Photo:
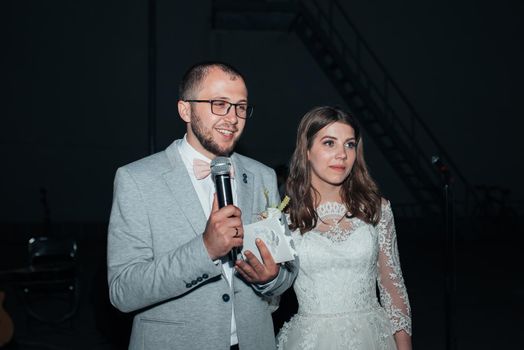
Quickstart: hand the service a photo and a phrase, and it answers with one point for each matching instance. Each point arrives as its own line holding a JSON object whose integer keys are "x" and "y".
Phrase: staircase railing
{"x": 367, "y": 87}
{"x": 397, "y": 110}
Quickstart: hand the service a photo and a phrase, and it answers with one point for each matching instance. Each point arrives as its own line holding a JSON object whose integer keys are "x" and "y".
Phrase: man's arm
{"x": 138, "y": 276}
{"x": 267, "y": 277}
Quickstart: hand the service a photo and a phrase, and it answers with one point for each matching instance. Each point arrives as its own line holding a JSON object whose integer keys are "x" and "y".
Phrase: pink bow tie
{"x": 202, "y": 170}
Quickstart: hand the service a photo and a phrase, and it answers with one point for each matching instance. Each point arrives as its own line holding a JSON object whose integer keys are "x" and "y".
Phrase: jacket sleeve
{"x": 137, "y": 277}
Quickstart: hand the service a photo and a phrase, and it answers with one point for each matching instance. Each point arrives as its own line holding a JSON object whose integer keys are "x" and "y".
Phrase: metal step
{"x": 366, "y": 97}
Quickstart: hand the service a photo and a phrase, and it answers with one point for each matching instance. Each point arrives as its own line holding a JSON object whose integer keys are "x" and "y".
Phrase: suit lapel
{"x": 245, "y": 184}
{"x": 184, "y": 193}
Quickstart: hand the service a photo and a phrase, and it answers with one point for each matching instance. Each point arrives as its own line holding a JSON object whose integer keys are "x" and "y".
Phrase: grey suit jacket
{"x": 159, "y": 268}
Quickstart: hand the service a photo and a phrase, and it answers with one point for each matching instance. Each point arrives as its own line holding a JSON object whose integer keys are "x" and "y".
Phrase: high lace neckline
{"x": 334, "y": 221}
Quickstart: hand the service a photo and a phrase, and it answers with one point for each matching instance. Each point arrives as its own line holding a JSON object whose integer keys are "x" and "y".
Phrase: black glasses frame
{"x": 249, "y": 109}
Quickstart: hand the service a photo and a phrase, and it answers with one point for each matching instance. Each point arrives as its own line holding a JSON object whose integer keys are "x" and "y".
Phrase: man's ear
{"x": 184, "y": 110}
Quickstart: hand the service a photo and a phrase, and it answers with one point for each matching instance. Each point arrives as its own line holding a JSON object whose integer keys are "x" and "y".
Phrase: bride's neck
{"x": 328, "y": 195}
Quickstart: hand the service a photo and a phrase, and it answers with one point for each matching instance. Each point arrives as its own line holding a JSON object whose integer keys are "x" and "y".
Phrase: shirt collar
{"x": 188, "y": 153}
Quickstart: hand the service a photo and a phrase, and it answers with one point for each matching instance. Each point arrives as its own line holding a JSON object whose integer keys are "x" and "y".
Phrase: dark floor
{"x": 489, "y": 289}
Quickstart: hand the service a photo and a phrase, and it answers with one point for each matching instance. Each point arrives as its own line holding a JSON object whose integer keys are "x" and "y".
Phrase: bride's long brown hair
{"x": 359, "y": 192}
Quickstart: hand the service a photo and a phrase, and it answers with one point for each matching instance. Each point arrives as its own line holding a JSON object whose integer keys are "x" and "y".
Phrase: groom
{"x": 168, "y": 240}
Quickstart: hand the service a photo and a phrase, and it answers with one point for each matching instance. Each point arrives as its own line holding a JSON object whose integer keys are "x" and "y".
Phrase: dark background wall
{"x": 74, "y": 79}
{"x": 75, "y": 82}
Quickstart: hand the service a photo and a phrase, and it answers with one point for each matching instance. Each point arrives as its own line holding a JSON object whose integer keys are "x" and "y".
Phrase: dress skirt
{"x": 363, "y": 330}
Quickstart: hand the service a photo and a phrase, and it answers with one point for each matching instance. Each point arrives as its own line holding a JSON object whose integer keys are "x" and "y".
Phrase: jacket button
{"x": 199, "y": 279}
{"x": 193, "y": 282}
{"x": 204, "y": 276}
{"x": 188, "y": 285}
{"x": 225, "y": 297}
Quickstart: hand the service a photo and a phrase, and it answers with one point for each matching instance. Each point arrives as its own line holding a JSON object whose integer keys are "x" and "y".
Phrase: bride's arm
{"x": 393, "y": 294}
{"x": 403, "y": 340}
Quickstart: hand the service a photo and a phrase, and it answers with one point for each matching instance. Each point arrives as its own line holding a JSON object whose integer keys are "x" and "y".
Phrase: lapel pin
{"x": 244, "y": 178}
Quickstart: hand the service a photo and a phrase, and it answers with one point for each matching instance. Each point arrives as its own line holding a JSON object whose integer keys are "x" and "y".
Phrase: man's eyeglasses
{"x": 220, "y": 107}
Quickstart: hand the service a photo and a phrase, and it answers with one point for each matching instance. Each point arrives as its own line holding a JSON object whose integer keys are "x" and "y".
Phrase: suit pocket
{"x": 162, "y": 334}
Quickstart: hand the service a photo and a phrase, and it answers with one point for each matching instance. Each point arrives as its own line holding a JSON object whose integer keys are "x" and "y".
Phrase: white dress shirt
{"x": 205, "y": 190}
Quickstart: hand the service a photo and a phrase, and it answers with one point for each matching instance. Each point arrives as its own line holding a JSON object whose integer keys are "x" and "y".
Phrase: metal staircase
{"x": 364, "y": 84}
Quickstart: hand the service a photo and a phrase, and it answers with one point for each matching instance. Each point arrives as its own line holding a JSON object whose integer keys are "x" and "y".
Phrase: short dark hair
{"x": 196, "y": 74}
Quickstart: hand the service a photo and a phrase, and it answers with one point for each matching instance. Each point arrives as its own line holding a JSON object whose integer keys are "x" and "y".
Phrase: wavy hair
{"x": 359, "y": 192}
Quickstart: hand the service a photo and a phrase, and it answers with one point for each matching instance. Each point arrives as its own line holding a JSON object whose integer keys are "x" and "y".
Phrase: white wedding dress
{"x": 342, "y": 261}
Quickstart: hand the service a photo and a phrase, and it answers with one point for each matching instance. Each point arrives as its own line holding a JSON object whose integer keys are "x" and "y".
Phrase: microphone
{"x": 221, "y": 169}
{"x": 442, "y": 168}
{"x": 436, "y": 161}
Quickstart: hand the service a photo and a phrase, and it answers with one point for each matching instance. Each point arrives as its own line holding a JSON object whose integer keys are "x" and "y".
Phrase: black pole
{"x": 451, "y": 257}
{"x": 450, "y": 253}
{"x": 151, "y": 76}
{"x": 47, "y": 212}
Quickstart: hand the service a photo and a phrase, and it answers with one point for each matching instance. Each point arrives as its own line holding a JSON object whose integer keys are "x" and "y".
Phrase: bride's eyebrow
{"x": 329, "y": 137}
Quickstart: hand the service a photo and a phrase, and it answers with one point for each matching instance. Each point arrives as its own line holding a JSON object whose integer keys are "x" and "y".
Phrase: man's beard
{"x": 206, "y": 140}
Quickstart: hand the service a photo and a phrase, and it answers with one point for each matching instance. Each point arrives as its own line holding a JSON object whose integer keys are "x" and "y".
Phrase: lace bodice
{"x": 341, "y": 262}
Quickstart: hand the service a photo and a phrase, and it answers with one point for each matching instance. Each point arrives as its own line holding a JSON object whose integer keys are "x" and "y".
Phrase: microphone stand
{"x": 450, "y": 253}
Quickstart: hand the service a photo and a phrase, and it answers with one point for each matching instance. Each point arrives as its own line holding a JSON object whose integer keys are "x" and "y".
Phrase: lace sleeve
{"x": 393, "y": 294}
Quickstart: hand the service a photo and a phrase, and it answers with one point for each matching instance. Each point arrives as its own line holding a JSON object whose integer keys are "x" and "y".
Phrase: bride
{"x": 345, "y": 236}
